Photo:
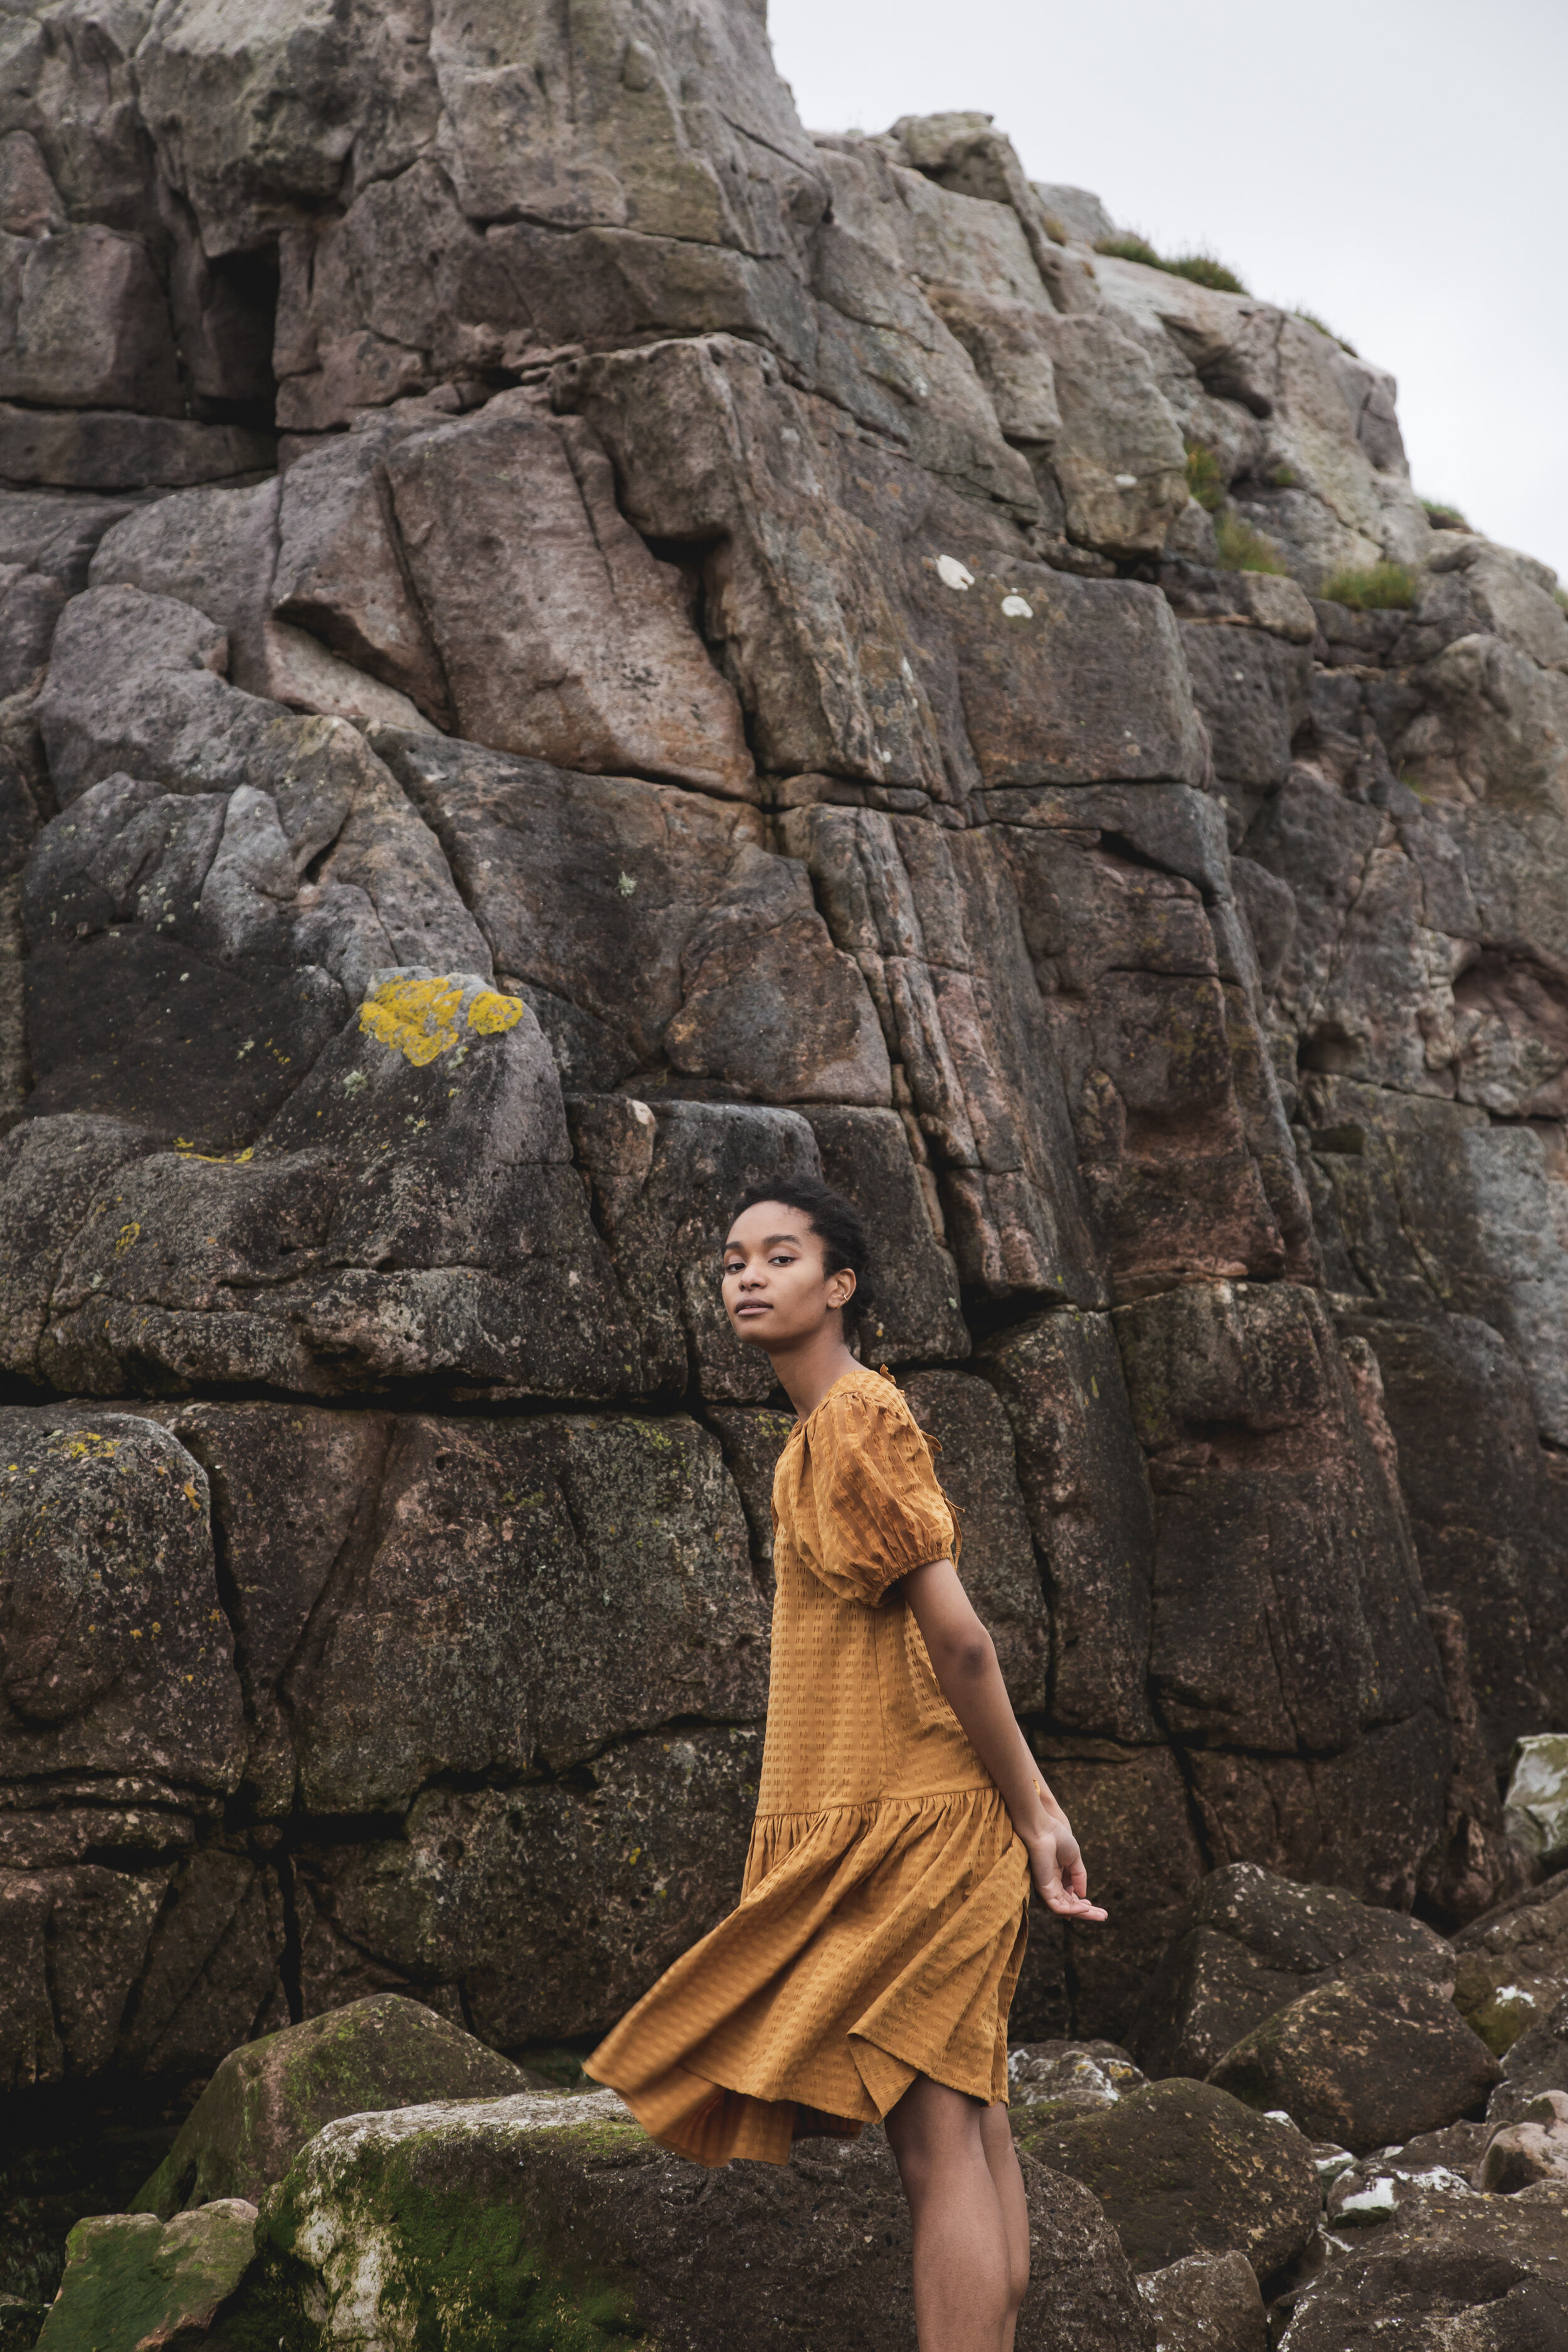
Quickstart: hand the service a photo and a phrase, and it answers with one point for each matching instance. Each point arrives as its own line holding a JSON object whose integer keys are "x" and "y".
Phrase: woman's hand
{"x": 1061, "y": 1880}
{"x": 963, "y": 1659}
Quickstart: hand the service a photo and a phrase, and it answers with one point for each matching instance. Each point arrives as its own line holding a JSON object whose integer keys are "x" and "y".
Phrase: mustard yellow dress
{"x": 882, "y": 1918}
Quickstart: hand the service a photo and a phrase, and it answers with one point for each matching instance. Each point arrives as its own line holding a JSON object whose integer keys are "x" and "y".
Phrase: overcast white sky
{"x": 1397, "y": 166}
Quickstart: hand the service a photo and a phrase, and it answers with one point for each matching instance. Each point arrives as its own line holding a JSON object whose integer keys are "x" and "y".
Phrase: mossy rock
{"x": 271, "y": 2096}
{"x": 131, "y": 2280}
{"x": 1183, "y": 2169}
{"x": 550, "y": 2222}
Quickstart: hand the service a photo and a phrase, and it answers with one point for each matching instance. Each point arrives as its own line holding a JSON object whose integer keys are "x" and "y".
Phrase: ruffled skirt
{"x": 872, "y": 1943}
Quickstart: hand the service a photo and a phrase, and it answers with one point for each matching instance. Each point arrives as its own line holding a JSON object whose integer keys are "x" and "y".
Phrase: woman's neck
{"x": 808, "y": 1370}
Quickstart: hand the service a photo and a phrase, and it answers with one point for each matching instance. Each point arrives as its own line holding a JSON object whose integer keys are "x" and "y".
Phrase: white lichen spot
{"x": 1018, "y": 608}
{"x": 953, "y": 574}
{"x": 625, "y": 884}
{"x": 1374, "y": 2203}
{"x": 1126, "y": 481}
{"x": 354, "y": 1080}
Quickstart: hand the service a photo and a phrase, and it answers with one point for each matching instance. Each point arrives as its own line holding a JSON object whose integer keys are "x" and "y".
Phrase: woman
{"x": 868, "y": 1970}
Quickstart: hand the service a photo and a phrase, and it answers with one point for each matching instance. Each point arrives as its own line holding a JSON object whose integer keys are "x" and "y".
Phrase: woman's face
{"x": 776, "y": 1287}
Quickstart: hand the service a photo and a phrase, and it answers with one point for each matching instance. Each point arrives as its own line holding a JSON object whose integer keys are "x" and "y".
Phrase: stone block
{"x": 1182, "y": 2168}
{"x": 271, "y": 2096}
{"x": 1087, "y": 1495}
{"x": 657, "y": 917}
{"x": 975, "y": 1464}
{"x": 131, "y": 2279}
{"x": 560, "y": 636}
{"x": 119, "y": 1657}
{"x": 528, "y": 1591}
{"x": 821, "y": 2243}
{"x": 602, "y": 1879}
{"x": 1366, "y": 2062}
{"x": 1248, "y": 1943}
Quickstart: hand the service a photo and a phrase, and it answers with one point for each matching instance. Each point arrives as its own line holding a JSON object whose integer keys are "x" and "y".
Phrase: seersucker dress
{"x": 881, "y": 1922}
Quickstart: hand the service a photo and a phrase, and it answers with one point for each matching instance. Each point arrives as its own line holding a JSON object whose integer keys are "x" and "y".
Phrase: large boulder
{"x": 1512, "y": 1965}
{"x": 1365, "y": 2061}
{"x": 1536, "y": 2062}
{"x": 1181, "y": 2168}
{"x": 1444, "y": 2269}
{"x": 270, "y": 2098}
{"x": 131, "y": 2280}
{"x": 556, "y": 2212}
{"x": 1207, "y": 2302}
{"x": 1249, "y": 1944}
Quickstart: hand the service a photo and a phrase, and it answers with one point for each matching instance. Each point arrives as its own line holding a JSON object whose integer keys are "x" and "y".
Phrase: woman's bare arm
{"x": 963, "y": 1659}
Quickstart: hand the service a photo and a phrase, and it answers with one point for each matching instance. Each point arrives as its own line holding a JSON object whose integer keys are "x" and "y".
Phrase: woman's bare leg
{"x": 1002, "y": 2158}
{"x": 964, "y": 2259}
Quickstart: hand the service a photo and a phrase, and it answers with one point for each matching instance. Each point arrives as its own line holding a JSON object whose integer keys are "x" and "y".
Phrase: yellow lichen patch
{"x": 491, "y": 1013}
{"x": 127, "y": 1235}
{"x": 417, "y": 1018}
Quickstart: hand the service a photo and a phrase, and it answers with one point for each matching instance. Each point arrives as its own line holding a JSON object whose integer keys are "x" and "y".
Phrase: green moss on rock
{"x": 131, "y": 2280}
{"x": 270, "y": 2098}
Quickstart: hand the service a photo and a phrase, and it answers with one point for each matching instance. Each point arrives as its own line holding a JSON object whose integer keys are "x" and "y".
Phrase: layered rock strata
{"x": 566, "y": 646}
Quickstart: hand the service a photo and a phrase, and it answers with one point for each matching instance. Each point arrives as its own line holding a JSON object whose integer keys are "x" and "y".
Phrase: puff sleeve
{"x": 879, "y": 1509}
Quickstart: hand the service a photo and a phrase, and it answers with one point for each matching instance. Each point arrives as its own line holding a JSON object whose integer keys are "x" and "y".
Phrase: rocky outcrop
{"x": 564, "y": 645}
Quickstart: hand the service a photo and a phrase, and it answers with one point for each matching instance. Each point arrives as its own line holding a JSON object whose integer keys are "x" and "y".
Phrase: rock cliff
{"x": 566, "y": 644}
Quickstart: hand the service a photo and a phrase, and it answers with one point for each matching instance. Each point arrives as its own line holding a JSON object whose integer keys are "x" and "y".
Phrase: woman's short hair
{"x": 836, "y": 1221}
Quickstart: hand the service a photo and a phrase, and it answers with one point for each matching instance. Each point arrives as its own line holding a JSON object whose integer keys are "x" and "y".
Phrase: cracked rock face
{"x": 556, "y": 659}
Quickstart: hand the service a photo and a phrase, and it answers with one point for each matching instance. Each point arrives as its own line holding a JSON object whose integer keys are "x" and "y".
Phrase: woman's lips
{"x": 756, "y": 1308}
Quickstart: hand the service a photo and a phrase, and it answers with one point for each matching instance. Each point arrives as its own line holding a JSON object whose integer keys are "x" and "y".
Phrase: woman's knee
{"x": 930, "y": 2130}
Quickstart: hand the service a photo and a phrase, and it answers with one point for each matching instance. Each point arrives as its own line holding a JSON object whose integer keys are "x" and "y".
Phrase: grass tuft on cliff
{"x": 1242, "y": 549}
{"x": 1310, "y": 319}
{"x": 1373, "y": 588}
{"x": 1443, "y": 517}
{"x": 1206, "y": 482}
{"x": 1203, "y": 268}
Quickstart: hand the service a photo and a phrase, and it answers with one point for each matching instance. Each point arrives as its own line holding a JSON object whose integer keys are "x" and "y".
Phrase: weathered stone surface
{"x": 1060, "y": 1381}
{"x": 602, "y": 1879}
{"x": 560, "y": 636}
{"x": 162, "y": 986}
{"x": 1120, "y": 460}
{"x": 1450, "y": 2270}
{"x": 821, "y": 2243}
{"x": 1364, "y": 2062}
{"x": 340, "y": 573}
{"x": 1248, "y": 1944}
{"x": 1537, "y": 2062}
{"x": 657, "y": 918}
{"x": 526, "y": 1592}
{"x": 1533, "y": 2148}
{"x": 118, "y": 1658}
{"x": 1069, "y": 2077}
{"x": 110, "y": 449}
{"x": 1181, "y": 2167}
{"x": 1261, "y": 1459}
{"x": 991, "y": 702}
{"x": 1207, "y": 2302}
{"x": 997, "y": 1559}
{"x": 1512, "y": 1965}
{"x": 131, "y": 2279}
{"x": 75, "y": 1940}
{"x": 1489, "y": 1517}
{"x": 331, "y": 1272}
{"x": 1131, "y": 1814}
{"x": 270, "y": 2098}
{"x": 911, "y": 904}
